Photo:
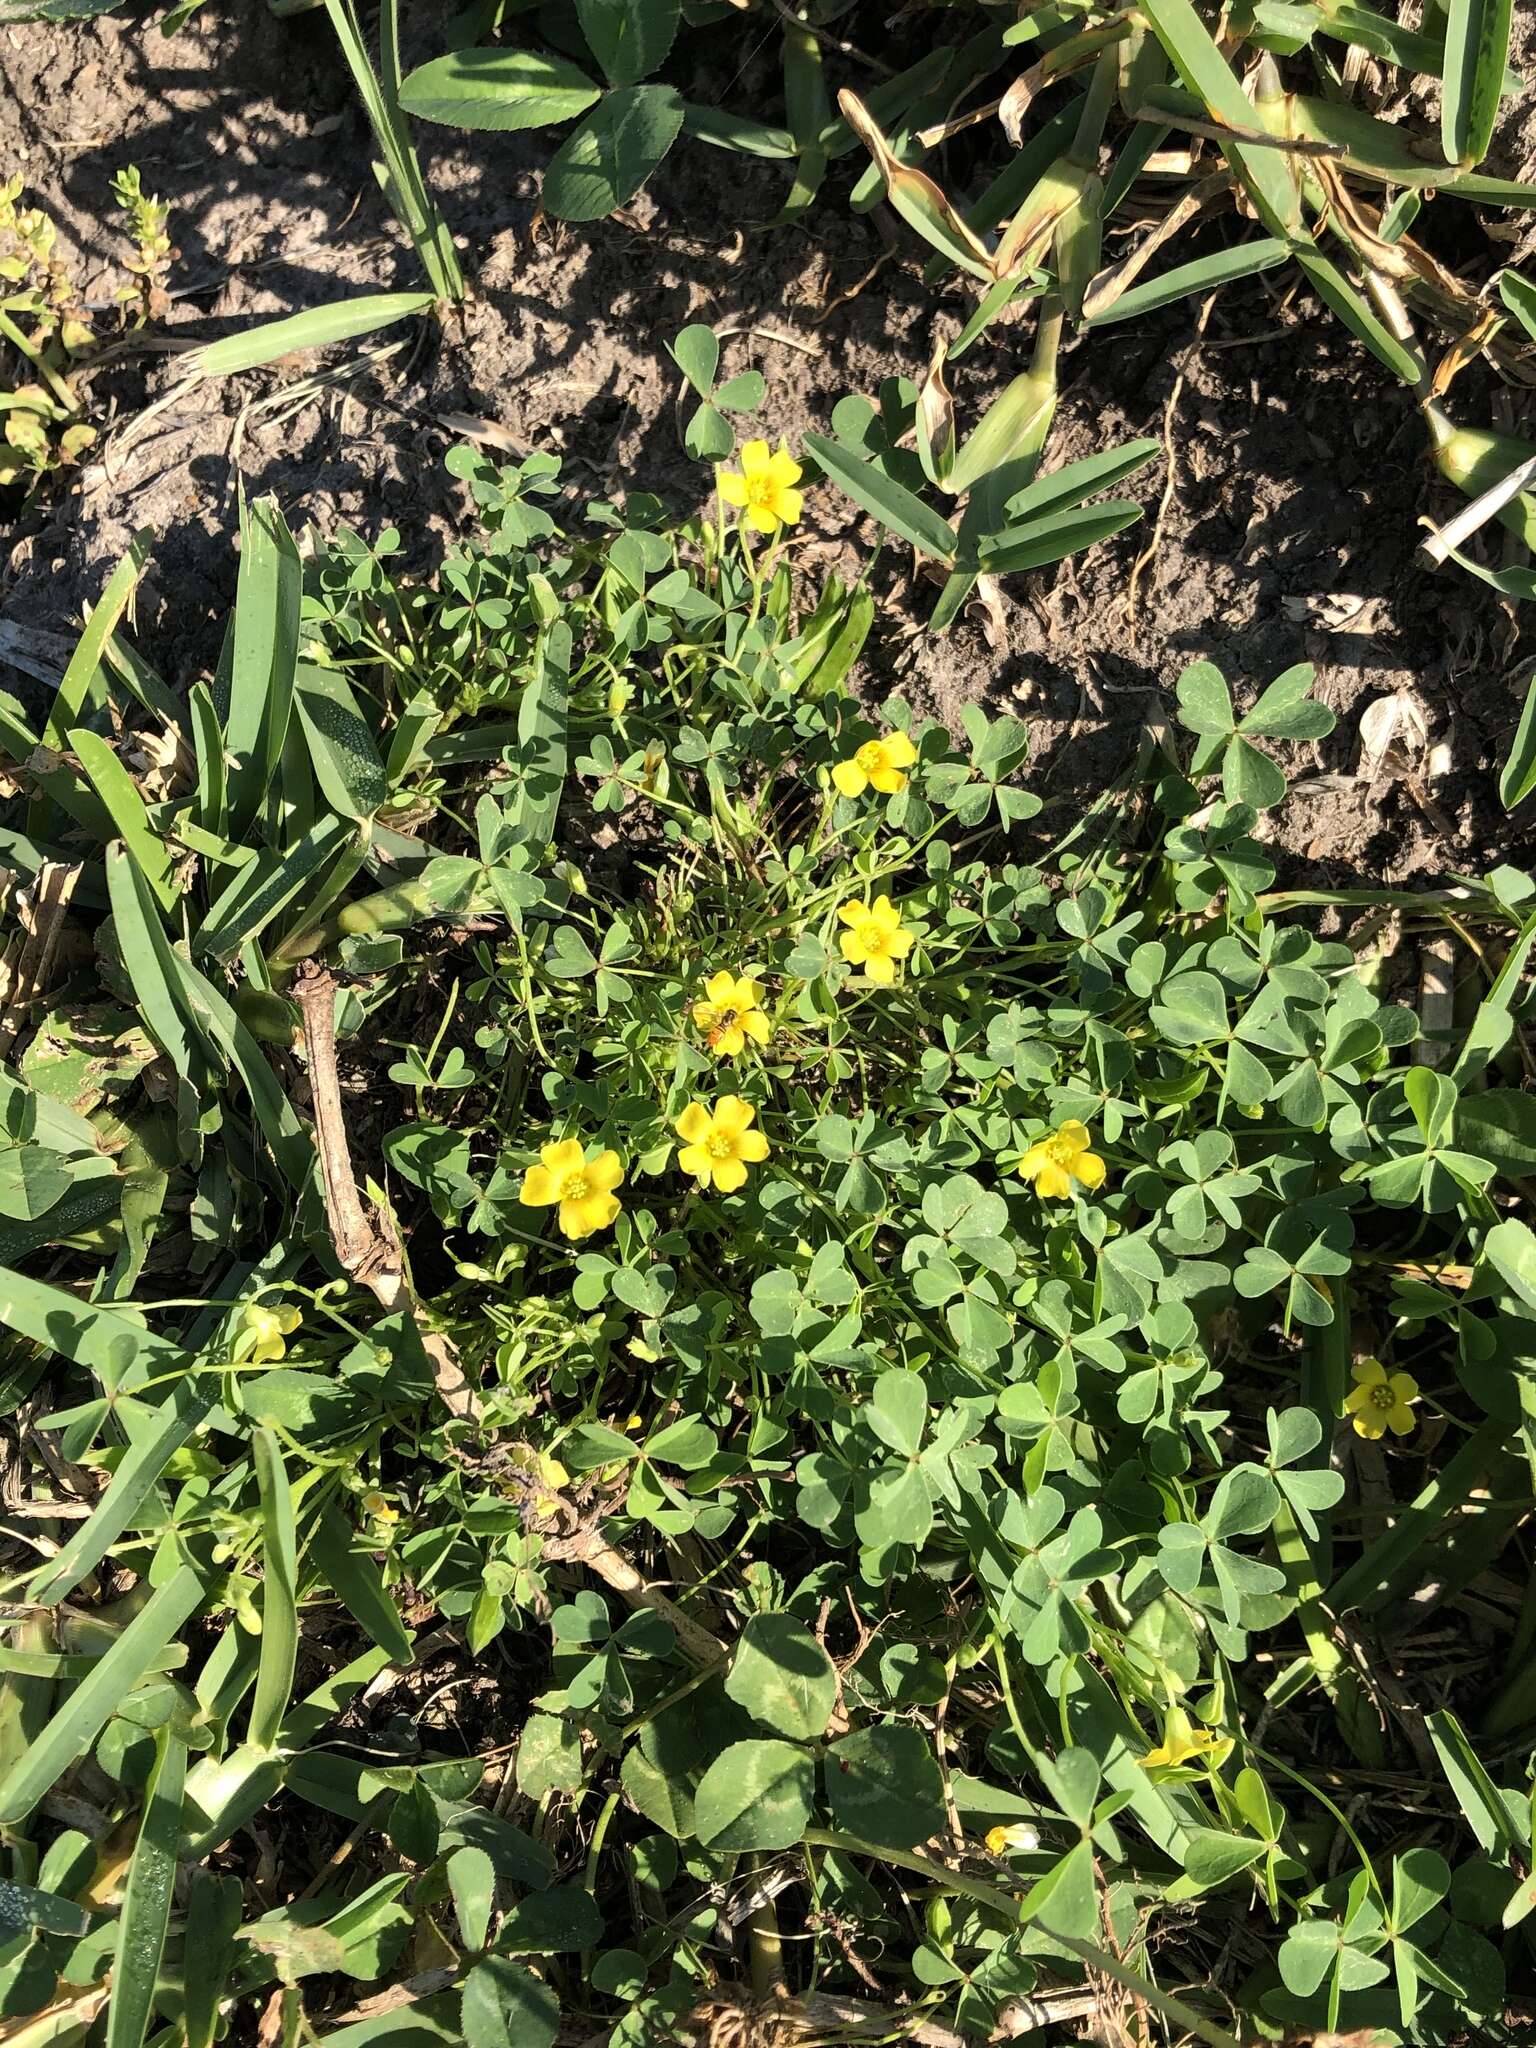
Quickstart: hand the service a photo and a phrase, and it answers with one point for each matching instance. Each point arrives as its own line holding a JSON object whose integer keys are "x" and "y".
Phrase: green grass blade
{"x": 89, "y": 1707}
{"x": 341, "y": 744}
{"x": 265, "y": 658}
{"x": 214, "y": 1913}
{"x": 1265, "y": 174}
{"x": 118, "y": 791}
{"x": 541, "y": 727}
{"x": 359, "y": 1584}
{"x": 891, "y": 503}
{"x": 83, "y": 682}
{"x": 1203, "y": 275}
{"x": 342, "y": 320}
{"x": 146, "y": 1912}
{"x": 1045, "y": 541}
{"x": 1476, "y": 55}
{"x": 279, "y": 1594}
{"x": 1374, "y": 1576}
{"x": 262, "y": 890}
{"x": 1476, "y": 1794}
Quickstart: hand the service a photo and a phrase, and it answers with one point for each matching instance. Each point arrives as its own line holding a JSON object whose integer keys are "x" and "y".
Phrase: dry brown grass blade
{"x": 27, "y": 963}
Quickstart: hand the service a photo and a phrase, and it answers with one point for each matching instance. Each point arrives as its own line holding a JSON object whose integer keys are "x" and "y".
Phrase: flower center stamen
{"x": 718, "y": 1146}
{"x": 759, "y": 490}
{"x": 870, "y": 756}
{"x": 574, "y": 1188}
{"x": 1383, "y": 1397}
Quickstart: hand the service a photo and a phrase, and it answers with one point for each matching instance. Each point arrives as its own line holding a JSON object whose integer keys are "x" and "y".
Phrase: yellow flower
{"x": 260, "y": 1341}
{"x": 731, "y": 1013}
{"x": 582, "y": 1187}
{"x": 879, "y": 764}
{"x": 1381, "y": 1400}
{"x": 1020, "y": 1835}
{"x": 718, "y": 1145}
{"x": 1182, "y": 1741}
{"x": 1052, "y": 1163}
{"x": 766, "y": 488}
{"x": 875, "y": 939}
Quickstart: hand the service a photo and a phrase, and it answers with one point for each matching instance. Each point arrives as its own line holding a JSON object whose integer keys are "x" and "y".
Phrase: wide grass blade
{"x": 264, "y": 657}
{"x": 83, "y": 683}
{"x": 889, "y": 502}
{"x": 343, "y": 320}
{"x": 146, "y": 1912}
{"x": 358, "y": 1583}
{"x": 214, "y": 1913}
{"x": 1476, "y": 54}
{"x": 279, "y": 1594}
{"x": 117, "y": 790}
{"x": 90, "y": 1706}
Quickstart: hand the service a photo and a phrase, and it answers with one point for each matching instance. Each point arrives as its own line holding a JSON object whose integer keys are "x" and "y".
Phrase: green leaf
{"x": 341, "y": 743}
{"x": 146, "y": 1910}
{"x": 1476, "y": 53}
{"x": 264, "y": 657}
{"x": 72, "y": 1730}
{"x": 83, "y": 681}
{"x": 1212, "y": 1857}
{"x": 1510, "y": 1248}
{"x": 897, "y": 1410}
{"x": 755, "y": 1795}
{"x": 498, "y": 89}
{"x": 889, "y": 502}
{"x": 1517, "y": 778}
{"x": 783, "y": 1677}
{"x": 279, "y": 1593}
{"x": 629, "y": 38}
{"x": 696, "y": 352}
{"x": 884, "y": 1785}
{"x": 502, "y": 2005}
{"x": 472, "y": 1881}
{"x": 357, "y": 1581}
{"x": 609, "y": 157}
{"x": 344, "y": 320}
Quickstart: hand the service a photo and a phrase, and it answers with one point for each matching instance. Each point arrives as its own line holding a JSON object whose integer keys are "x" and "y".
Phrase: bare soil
{"x": 1290, "y": 519}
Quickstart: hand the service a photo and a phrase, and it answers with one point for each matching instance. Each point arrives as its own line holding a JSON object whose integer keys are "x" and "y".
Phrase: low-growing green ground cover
{"x": 926, "y": 1358}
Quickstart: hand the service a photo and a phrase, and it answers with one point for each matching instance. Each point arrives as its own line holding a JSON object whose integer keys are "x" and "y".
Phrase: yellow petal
{"x": 1403, "y": 1384}
{"x": 783, "y": 468}
{"x": 762, "y": 518}
{"x": 851, "y": 781}
{"x": 756, "y": 1025}
{"x": 1074, "y": 1135}
{"x": 880, "y": 967}
{"x": 732, "y": 1115}
{"x": 695, "y": 1160}
{"x": 730, "y": 1042}
{"x": 790, "y": 505}
{"x": 564, "y": 1156}
{"x": 732, "y": 488}
{"x": 1089, "y": 1168}
{"x": 1053, "y": 1182}
{"x": 1401, "y": 1419}
{"x": 693, "y": 1125}
{"x": 538, "y": 1189}
{"x": 730, "y": 1175}
{"x": 899, "y": 750}
{"x": 898, "y": 942}
{"x": 889, "y": 781}
{"x": 1370, "y": 1372}
{"x": 1369, "y": 1423}
{"x": 752, "y": 1146}
{"x": 705, "y": 1015}
{"x": 756, "y": 457}
{"x": 853, "y": 913}
{"x": 606, "y": 1172}
{"x": 853, "y": 948}
{"x": 721, "y": 988}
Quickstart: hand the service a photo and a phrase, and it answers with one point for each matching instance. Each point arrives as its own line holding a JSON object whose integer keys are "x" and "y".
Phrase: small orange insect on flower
{"x": 876, "y": 938}
{"x": 1381, "y": 1400}
{"x": 880, "y": 765}
{"x": 719, "y": 1143}
{"x": 764, "y": 489}
{"x": 730, "y": 1012}
{"x": 583, "y": 1189}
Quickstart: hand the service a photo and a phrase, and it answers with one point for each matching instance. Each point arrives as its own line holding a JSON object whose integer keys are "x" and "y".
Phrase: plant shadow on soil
{"x": 1288, "y": 533}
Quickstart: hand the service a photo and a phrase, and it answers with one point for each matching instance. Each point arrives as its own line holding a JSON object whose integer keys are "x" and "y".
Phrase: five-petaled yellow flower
{"x": 731, "y": 1013}
{"x": 582, "y": 1187}
{"x": 1019, "y": 1835}
{"x": 1381, "y": 1400}
{"x": 1182, "y": 1742}
{"x": 879, "y": 765}
{"x": 1063, "y": 1156}
{"x": 875, "y": 939}
{"x": 719, "y": 1144}
{"x": 260, "y": 1340}
{"x": 765, "y": 489}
